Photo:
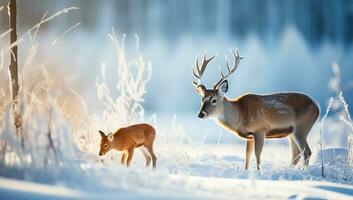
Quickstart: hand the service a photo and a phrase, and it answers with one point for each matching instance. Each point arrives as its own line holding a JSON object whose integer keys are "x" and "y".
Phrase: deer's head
{"x": 212, "y": 99}
{"x": 106, "y": 143}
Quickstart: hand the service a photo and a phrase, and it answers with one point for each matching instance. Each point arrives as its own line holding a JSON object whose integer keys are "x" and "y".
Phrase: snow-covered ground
{"x": 195, "y": 161}
{"x": 189, "y": 171}
{"x": 198, "y": 188}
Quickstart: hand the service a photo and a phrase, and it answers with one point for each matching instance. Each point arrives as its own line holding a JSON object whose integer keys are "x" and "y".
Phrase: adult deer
{"x": 257, "y": 117}
{"x": 127, "y": 139}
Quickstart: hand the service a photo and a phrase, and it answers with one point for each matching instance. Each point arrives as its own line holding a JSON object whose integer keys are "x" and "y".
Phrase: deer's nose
{"x": 100, "y": 154}
{"x": 202, "y": 114}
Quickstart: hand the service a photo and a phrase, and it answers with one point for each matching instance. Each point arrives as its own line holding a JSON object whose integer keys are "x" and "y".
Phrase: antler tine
{"x": 196, "y": 67}
{"x": 237, "y": 59}
{"x": 197, "y": 70}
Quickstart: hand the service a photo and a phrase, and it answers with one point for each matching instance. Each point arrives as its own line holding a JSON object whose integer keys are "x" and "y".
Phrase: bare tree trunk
{"x": 12, "y": 11}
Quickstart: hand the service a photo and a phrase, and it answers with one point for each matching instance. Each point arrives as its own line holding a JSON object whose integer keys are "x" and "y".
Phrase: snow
{"x": 189, "y": 171}
{"x": 332, "y": 156}
{"x": 14, "y": 189}
{"x": 187, "y": 187}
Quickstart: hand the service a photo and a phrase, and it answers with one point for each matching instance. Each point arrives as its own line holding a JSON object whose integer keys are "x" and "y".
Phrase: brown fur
{"x": 127, "y": 139}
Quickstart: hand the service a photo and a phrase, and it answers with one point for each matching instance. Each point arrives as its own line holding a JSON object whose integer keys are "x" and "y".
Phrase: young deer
{"x": 127, "y": 139}
{"x": 256, "y": 117}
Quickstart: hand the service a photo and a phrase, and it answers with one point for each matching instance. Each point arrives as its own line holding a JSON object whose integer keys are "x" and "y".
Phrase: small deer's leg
{"x": 295, "y": 150}
{"x": 146, "y": 156}
{"x": 153, "y": 156}
{"x": 249, "y": 150}
{"x": 149, "y": 148}
{"x": 259, "y": 139}
{"x": 123, "y": 158}
{"x": 129, "y": 157}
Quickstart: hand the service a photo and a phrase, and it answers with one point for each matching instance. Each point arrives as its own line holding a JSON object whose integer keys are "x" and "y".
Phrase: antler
{"x": 197, "y": 70}
{"x": 237, "y": 59}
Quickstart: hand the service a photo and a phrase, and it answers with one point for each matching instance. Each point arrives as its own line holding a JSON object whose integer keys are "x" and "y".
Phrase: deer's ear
{"x": 222, "y": 88}
{"x": 102, "y": 133}
{"x": 110, "y": 136}
{"x": 200, "y": 89}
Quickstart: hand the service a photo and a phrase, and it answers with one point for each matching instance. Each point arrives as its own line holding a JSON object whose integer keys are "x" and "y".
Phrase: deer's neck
{"x": 117, "y": 143}
{"x": 230, "y": 117}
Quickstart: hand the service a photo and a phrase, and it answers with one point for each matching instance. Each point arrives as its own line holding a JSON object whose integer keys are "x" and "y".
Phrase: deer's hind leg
{"x": 153, "y": 156}
{"x": 300, "y": 138}
{"x": 305, "y": 121}
{"x": 259, "y": 139}
{"x": 149, "y": 148}
{"x": 146, "y": 156}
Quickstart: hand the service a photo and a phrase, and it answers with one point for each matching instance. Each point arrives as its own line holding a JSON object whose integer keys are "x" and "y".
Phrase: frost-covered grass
{"x": 46, "y": 142}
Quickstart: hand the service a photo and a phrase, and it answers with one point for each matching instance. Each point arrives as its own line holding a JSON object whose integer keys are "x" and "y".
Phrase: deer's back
{"x": 136, "y": 134}
{"x": 277, "y": 101}
{"x": 277, "y": 109}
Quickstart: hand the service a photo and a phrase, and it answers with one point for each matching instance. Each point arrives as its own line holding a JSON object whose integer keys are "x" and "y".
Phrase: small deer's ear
{"x": 222, "y": 87}
{"x": 102, "y": 133}
{"x": 200, "y": 89}
{"x": 110, "y": 137}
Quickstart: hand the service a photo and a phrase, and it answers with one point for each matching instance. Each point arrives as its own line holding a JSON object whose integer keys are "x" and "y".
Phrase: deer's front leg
{"x": 249, "y": 150}
{"x": 259, "y": 139}
{"x": 129, "y": 157}
{"x": 123, "y": 158}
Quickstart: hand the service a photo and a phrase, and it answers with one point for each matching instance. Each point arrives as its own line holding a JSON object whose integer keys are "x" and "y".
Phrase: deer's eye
{"x": 213, "y": 101}
{"x": 105, "y": 146}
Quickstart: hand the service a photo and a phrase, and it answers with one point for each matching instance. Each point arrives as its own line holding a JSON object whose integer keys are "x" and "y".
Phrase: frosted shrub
{"x": 338, "y": 121}
{"x": 341, "y": 106}
{"x": 132, "y": 77}
{"x": 339, "y": 124}
{"x": 47, "y": 143}
{"x": 346, "y": 118}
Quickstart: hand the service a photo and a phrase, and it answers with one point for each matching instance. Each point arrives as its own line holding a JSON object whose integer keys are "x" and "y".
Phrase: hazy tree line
{"x": 316, "y": 20}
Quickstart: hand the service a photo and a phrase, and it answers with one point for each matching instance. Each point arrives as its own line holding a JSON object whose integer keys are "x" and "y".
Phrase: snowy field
{"x": 194, "y": 172}
{"x": 199, "y": 188}
{"x": 189, "y": 166}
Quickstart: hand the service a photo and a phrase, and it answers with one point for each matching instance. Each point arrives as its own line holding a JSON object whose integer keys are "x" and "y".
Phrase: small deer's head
{"x": 106, "y": 143}
{"x": 212, "y": 100}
